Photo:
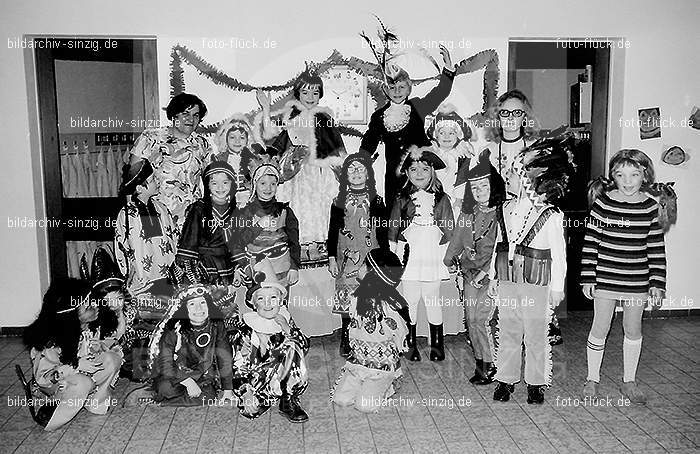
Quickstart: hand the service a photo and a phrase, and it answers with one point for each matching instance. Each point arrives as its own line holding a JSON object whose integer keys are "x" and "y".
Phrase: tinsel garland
{"x": 177, "y": 82}
{"x": 487, "y": 59}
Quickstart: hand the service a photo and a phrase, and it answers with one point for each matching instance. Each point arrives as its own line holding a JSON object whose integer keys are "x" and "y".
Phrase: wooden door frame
{"x": 606, "y": 139}
{"x": 43, "y": 120}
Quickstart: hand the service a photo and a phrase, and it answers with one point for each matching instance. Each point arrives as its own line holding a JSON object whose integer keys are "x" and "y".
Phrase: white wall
{"x": 659, "y": 71}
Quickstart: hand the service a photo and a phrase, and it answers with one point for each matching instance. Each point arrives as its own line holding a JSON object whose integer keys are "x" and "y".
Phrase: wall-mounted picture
{"x": 650, "y": 123}
{"x": 674, "y": 156}
{"x": 694, "y": 120}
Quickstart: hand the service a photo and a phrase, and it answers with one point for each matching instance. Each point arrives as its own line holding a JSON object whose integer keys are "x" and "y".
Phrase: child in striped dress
{"x": 623, "y": 260}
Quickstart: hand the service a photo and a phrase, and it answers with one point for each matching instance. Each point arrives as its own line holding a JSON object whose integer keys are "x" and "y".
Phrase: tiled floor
{"x": 439, "y": 411}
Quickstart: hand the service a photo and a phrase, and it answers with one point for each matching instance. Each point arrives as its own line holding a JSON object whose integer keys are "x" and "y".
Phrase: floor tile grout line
{"x": 331, "y": 383}
{"x": 420, "y": 394}
{"x": 143, "y": 410}
{"x": 199, "y": 439}
{"x": 452, "y": 397}
{"x": 170, "y": 425}
{"x": 11, "y": 365}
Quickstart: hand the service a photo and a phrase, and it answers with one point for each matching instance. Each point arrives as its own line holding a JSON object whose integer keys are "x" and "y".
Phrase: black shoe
{"x": 289, "y": 407}
{"x": 535, "y": 394}
{"x": 478, "y": 371}
{"x": 487, "y": 373}
{"x": 503, "y": 391}
{"x": 44, "y": 413}
{"x": 344, "y": 349}
{"x": 413, "y": 354}
{"x": 437, "y": 343}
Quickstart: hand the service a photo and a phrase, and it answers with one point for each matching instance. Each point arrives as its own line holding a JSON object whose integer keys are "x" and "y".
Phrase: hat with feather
{"x": 483, "y": 169}
{"x": 423, "y": 154}
{"x": 385, "y": 56}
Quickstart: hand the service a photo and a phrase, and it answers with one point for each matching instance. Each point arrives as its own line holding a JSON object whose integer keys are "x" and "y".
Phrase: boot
{"x": 488, "y": 371}
{"x": 478, "y": 371}
{"x": 344, "y": 349}
{"x": 413, "y": 354}
{"x": 535, "y": 394}
{"x": 289, "y": 407}
{"x": 503, "y": 391}
{"x": 437, "y": 343}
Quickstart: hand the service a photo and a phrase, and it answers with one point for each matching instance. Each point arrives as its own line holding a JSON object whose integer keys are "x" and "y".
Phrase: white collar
{"x": 264, "y": 325}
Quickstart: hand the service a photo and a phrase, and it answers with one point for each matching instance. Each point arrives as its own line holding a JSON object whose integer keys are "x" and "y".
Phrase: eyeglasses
{"x": 517, "y": 113}
{"x": 357, "y": 169}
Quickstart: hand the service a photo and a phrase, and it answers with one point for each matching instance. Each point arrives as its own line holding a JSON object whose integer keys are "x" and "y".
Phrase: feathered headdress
{"x": 183, "y": 295}
{"x": 546, "y": 166}
{"x": 235, "y": 121}
{"x": 265, "y": 163}
{"x": 386, "y": 58}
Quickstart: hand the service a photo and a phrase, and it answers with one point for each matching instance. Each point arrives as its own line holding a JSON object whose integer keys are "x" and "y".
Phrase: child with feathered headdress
{"x": 266, "y": 228}
{"x": 528, "y": 267}
{"x": 74, "y": 351}
{"x": 400, "y": 123}
{"x": 237, "y": 143}
{"x": 190, "y": 352}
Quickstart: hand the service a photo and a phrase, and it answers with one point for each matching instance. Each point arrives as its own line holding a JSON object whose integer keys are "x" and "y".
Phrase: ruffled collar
{"x": 264, "y": 325}
{"x": 396, "y": 116}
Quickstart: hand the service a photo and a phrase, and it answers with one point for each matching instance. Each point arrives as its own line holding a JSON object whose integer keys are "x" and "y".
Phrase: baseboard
{"x": 11, "y": 331}
{"x": 669, "y": 313}
{"x": 18, "y": 331}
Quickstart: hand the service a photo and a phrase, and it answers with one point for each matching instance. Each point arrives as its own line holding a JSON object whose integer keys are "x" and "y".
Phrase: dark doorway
{"x": 568, "y": 84}
{"x": 95, "y": 96}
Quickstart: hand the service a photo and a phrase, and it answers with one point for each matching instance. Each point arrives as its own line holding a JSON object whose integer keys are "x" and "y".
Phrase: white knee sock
{"x": 631, "y": 349}
{"x": 594, "y": 353}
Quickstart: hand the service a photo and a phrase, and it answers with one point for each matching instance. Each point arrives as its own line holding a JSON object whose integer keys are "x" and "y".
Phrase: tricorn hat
{"x": 424, "y": 154}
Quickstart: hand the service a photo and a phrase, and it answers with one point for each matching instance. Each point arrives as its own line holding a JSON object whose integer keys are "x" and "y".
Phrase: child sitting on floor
{"x": 377, "y": 335}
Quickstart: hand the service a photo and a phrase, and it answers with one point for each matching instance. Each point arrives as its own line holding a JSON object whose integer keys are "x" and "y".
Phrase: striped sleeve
{"x": 591, "y": 243}
{"x": 656, "y": 254}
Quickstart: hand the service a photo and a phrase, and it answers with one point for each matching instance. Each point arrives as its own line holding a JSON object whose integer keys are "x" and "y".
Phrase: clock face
{"x": 345, "y": 93}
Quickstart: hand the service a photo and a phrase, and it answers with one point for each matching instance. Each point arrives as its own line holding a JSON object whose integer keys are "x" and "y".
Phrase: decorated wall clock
{"x": 345, "y": 93}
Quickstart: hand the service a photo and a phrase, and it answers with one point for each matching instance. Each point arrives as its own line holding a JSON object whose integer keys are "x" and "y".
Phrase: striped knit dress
{"x": 623, "y": 251}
